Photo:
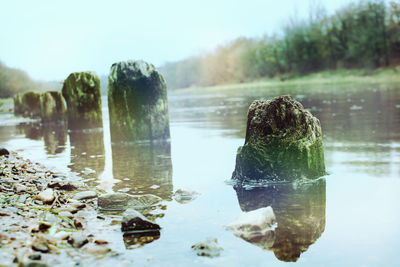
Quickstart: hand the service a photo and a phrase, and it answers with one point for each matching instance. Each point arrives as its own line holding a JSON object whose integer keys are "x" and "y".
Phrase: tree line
{"x": 365, "y": 35}
{"x": 14, "y": 81}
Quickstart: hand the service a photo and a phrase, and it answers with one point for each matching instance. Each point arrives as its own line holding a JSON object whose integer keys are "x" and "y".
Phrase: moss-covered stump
{"x": 52, "y": 107}
{"x": 27, "y": 104}
{"x": 137, "y": 102}
{"x": 283, "y": 143}
{"x": 81, "y": 91}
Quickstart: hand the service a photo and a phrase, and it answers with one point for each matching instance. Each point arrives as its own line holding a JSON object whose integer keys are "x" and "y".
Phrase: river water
{"x": 348, "y": 218}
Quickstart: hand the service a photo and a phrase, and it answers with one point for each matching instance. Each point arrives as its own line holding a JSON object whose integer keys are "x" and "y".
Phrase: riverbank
{"x": 47, "y": 218}
{"x": 333, "y": 77}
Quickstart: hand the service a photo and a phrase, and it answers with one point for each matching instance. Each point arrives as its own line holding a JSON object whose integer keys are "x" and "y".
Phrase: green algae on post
{"x": 52, "y": 107}
{"x": 81, "y": 91}
{"x": 137, "y": 102}
{"x": 27, "y": 104}
{"x": 283, "y": 143}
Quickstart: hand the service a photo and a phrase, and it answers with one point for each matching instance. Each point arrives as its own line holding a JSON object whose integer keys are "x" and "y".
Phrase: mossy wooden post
{"x": 27, "y": 104}
{"x": 137, "y": 102}
{"x": 52, "y": 107}
{"x": 81, "y": 91}
{"x": 283, "y": 143}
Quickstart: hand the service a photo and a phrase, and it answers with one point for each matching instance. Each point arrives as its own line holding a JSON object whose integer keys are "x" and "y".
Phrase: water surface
{"x": 348, "y": 218}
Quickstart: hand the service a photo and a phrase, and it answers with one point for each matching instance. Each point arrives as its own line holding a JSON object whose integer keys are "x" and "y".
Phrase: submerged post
{"x": 283, "y": 143}
{"x": 137, "y": 102}
{"x": 52, "y": 107}
{"x": 27, "y": 104}
{"x": 81, "y": 91}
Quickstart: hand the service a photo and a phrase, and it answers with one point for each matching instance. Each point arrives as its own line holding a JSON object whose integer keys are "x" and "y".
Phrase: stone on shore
{"x": 283, "y": 142}
{"x": 137, "y": 101}
{"x": 27, "y": 104}
{"x": 85, "y": 195}
{"x": 81, "y": 91}
{"x": 4, "y": 152}
{"x": 47, "y": 196}
{"x": 77, "y": 240}
{"x": 133, "y": 221}
{"x": 52, "y": 107}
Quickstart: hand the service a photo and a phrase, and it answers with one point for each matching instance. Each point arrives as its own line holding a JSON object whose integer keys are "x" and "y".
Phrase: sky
{"x": 49, "y": 39}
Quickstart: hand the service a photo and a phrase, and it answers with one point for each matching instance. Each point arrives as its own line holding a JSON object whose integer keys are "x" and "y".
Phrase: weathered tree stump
{"x": 81, "y": 91}
{"x": 283, "y": 143}
{"x": 137, "y": 101}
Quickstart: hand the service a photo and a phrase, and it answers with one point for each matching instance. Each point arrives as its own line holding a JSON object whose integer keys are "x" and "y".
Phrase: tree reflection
{"x": 299, "y": 211}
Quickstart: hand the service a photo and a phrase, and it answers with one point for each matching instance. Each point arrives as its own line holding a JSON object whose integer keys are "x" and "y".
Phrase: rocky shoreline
{"x": 47, "y": 219}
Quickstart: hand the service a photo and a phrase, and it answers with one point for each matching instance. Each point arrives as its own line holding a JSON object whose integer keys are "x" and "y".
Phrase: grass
{"x": 332, "y": 77}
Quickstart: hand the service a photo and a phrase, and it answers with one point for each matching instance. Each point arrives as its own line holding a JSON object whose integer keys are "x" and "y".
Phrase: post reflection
{"x": 87, "y": 152}
{"x": 143, "y": 168}
{"x": 299, "y": 211}
{"x": 55, "y": 138}
{"x": 54, "y": 135}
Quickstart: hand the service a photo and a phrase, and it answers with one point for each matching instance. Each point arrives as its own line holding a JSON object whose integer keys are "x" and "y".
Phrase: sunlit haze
{"x": 50, "y": 39}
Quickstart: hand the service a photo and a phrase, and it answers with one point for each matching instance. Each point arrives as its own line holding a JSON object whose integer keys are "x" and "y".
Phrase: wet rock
{"x": 44, "y": 226}
{"x": 85, "y": 195}
{"x": 100, "y": 242}
{"x": 4, "y": 152}
{"x": 133, "y": 221}
{"x": 256, "y": 226}
{"x": 81, "y": 91}
{"x": 41, "y": 248}
{"x": 19, "y": 188}
{"x": 113, "y": 201}
{"x": 35, "y": 257}
{"x": 185, "y": 196}
{"x": 68, "y": 187}
{"x": 77, "y": 240}
{"x": 122, "y": 201}
{"x": 283, "y": 142}
{"x": 47, "y": 196}
{"x": 137, "y": 101}
{"x": 208, "y": 248}
{"x": 52, "y": 107}
{"x": 27, "y": 104}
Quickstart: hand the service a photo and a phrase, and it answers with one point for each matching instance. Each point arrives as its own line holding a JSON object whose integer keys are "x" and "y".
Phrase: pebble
{"x": 85, "y": 195}
{"x": 77, "y": 240}
{"x": 41, "y": 248}
{"x": 46, "y": 196}
{"x": 96, "y": 250}
{"x": 208, "y": 248}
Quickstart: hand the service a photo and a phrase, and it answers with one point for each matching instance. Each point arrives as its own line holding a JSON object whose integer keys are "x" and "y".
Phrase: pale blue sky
{"x": 50, "y": 38}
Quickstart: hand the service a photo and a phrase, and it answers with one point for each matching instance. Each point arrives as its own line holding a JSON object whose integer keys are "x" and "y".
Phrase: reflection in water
{"x": 55, "y": 138}
{"x": 143, "y": 168}
{"x": 31, "y": 130}
{"x": 87, "y": 152}
{"x": 138, "y": 240}
{"x": 299, "y": 211}
{"x": 54, "y": 135}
